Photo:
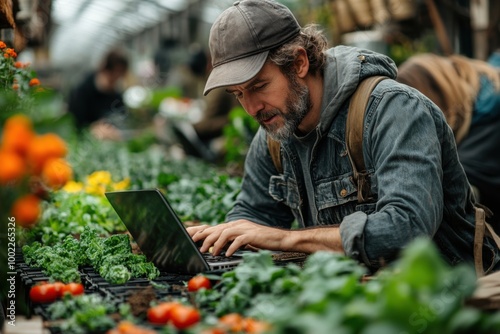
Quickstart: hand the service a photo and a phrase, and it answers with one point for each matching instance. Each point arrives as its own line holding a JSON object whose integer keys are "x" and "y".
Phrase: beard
{"x": 297, "y": 104}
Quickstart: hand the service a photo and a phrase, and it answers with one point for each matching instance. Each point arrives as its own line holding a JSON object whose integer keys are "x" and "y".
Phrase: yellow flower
{"x": 73, "y": 187}
{"x": 101, "y": 181}
{"x": 95, "y": 189}
{"x": 122, "y": 185}
{"x": 100, "y": 177}
{"x": 98, "y": 182}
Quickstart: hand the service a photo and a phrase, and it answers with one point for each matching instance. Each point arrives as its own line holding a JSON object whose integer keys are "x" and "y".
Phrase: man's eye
{"x": 259, "y": 87}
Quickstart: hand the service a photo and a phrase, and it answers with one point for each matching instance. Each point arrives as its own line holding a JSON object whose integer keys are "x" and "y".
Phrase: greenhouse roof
{"x": 87, "y": 28}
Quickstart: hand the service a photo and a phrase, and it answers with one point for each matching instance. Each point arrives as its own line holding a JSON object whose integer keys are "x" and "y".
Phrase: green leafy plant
{"x": 206, "y": 199}
{"x": 18, "y": 84}
{"x": 238, "y": 135}
{"x": 83, "y": 314}
{"x": 67, "y": 214}
{"x": 111, "y": 257}
{"x": 418, "y": 293}
{"x": 197, "y": 191}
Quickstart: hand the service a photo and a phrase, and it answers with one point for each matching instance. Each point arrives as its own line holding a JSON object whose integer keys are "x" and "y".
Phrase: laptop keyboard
{"x": 218, "y": 258}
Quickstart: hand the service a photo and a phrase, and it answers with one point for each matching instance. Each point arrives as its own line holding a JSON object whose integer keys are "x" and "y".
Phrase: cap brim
{"x": 235, "y": 72}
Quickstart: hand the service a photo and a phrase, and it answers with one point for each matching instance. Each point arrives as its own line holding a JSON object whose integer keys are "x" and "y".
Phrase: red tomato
{"x": 198, "y": 282}
{"x": 232, "y": 321}
{"x": 184, "y": 316}
{"x": 161, "y": 313}
{"x": 43, "y": 293}
{"x": 73, "y": 288}
{"x": 59, "y": 286}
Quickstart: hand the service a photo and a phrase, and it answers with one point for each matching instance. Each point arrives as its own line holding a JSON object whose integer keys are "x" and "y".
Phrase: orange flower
{"x": 44, "y": 147}
{"x": 18, "y": 64}
{"x": 11, "y": 52}
{"x": 252, "y": 326}
{"x": 15, "y": 86}
{"x": 12, "y": 167}
{"x": 34, "y": 82}
{"x": 26, "y": 210}
{"x": 18, "y": 119}
{"x": 2, "y": 45}
{"x": 127, "y": 327}
{"x": 56, "y": 173}
{"x": 17, "y": 134}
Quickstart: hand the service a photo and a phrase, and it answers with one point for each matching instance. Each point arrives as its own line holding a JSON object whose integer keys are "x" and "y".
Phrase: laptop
{"x": 160, "y": 234}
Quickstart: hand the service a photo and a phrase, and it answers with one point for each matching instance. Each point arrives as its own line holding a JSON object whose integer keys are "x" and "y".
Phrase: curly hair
{"x": 312, "y": 39}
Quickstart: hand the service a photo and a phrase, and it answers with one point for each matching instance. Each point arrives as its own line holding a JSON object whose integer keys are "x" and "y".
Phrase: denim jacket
{"x": 419, "y": 186}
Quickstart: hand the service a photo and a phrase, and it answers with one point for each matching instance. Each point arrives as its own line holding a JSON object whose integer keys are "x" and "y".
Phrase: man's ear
{"x": 301, "y": 63}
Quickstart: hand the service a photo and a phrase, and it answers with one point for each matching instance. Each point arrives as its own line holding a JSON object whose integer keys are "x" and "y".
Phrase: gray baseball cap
{"x": 241, "y": 37}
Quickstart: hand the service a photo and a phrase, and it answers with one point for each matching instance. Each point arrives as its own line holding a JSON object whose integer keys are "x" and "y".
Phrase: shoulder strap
{"x": 482, "y": 230}
{"x": 275, "y": 151}
{"x": 354, "y": 134}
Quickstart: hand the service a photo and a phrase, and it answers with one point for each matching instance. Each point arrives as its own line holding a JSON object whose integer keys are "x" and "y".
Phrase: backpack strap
{"x": 354, "y": 134}
{"x": 482, "y": 230}
{"x": 478, "y": 241}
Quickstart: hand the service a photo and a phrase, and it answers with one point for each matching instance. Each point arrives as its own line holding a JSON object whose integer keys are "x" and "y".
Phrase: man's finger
{"x": 196, "y": 229}
{"x": 209, "y": 239}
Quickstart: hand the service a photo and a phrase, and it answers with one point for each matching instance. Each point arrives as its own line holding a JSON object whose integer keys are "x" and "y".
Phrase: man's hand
{"x": 246, "y": 234}
{"x": 238, "y": 234}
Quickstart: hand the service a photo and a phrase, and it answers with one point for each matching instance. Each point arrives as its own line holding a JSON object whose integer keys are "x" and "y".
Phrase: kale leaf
{"x": 111, "y": 257}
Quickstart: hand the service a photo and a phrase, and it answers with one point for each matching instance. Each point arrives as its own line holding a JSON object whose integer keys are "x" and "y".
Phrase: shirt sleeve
{"x": 402, "y": 144}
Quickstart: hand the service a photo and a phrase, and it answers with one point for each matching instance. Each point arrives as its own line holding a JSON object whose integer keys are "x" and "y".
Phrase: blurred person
{"x": 97, "y": 101}
{"x": 468, "y": 92}
{"x": 299, "y": 90}
{"x": 216, "y": 107}
{"x": 200, "y": 135}
{"x": 190, "y": 75}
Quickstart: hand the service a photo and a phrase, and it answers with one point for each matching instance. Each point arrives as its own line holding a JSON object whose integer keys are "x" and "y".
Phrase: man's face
{"x": 113, "y": 76}
{"x": 278, "y": 102}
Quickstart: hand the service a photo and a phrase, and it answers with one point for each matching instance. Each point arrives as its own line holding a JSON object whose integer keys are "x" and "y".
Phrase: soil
{"x": 135, "y": 248}
{"x": 140, "y": 301}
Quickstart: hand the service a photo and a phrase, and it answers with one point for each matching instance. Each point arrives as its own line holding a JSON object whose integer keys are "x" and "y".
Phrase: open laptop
{"x": 160, "y": 234}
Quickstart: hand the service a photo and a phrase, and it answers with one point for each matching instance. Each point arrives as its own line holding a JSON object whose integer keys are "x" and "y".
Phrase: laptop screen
{"x": 157, "y": 230}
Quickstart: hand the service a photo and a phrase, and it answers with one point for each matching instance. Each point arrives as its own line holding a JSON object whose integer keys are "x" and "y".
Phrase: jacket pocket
{"x": 337, "y": 192}
{"x": 335, "y": 200}
{"x": 284, "y": 189}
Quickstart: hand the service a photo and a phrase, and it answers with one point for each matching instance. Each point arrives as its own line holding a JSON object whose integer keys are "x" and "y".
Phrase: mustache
{"x": 264, "y": 115}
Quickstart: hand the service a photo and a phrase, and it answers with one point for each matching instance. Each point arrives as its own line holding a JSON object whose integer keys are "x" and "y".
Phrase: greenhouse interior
{"x": 250, "y": 166}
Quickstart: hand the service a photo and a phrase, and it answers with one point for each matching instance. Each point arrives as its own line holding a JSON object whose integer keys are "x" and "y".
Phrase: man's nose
{"x": 252, "y": 106}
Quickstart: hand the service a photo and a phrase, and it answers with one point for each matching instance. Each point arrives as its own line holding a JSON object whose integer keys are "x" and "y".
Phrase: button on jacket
{"x": 418, "y": 184}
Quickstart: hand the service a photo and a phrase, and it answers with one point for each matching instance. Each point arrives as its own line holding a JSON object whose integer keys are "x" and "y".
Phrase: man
{"x": 299, "y": 92}
{"x": 96, "y": 98}
{"x": 198, "y": 138}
